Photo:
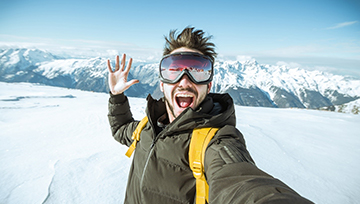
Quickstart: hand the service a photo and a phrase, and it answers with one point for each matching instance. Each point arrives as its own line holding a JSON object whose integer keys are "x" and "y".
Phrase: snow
{"x": 87, "y": 73}
{"x": 54, "y": 68}
{"x": 250, "y": 73}
{"x": 56, "y": 147}
{"x": 351, "y": 107}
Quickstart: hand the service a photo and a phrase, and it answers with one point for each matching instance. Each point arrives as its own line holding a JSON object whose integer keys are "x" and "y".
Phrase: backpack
{"x": 198, "y": 144}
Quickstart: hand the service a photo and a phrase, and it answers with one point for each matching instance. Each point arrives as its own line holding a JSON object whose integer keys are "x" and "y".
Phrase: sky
{"x": 316, "y": 35}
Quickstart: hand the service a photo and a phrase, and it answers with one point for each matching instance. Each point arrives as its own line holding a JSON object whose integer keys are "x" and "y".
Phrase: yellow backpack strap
{"x": 198, "y": 144}
{"x": 136, "y": 136}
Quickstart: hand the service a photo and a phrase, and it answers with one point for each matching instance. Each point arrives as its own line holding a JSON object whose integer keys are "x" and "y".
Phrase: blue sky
{"x": 322, "y": 35}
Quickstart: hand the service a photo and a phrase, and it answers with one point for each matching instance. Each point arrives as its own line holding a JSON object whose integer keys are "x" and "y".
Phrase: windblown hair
{"x": 192, "y": 39}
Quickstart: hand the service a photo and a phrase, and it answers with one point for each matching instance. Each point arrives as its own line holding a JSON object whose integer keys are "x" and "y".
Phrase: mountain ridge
{"x": 249, "y": 83}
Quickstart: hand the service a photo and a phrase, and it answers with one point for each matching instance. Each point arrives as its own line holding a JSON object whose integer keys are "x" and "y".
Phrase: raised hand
{"x": 118, "y": 78}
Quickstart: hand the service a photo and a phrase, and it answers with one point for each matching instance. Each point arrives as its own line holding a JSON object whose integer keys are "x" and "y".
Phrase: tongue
{"x": 184, "y": 102}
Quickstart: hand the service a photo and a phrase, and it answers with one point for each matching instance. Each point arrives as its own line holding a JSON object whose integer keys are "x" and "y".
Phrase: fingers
{"x": 128, "y": 66}
{"x": 109, "y": 66}
{"x": 117, "y": 63}
{"x": 123, "y": 58}
{"x": 120, "y": 65}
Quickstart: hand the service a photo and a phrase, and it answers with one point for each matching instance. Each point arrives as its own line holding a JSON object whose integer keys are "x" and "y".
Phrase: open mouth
{"x": 184, "y": 100}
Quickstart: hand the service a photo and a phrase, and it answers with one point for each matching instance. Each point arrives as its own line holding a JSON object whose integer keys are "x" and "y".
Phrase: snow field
{"x": 56, "y": 147}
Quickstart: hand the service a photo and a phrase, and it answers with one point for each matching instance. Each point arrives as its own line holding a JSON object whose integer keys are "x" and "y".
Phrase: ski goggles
{"x": 198, "y": 67}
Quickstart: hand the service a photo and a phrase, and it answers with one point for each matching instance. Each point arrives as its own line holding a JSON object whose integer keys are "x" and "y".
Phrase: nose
{"x": 185, "y": 81}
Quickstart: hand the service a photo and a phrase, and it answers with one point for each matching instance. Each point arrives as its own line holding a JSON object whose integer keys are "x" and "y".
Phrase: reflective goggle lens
{"x": 198, "y": 67}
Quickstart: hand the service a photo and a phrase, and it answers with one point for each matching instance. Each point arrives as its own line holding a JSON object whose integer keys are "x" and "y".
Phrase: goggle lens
{"x": 197, "y": 66}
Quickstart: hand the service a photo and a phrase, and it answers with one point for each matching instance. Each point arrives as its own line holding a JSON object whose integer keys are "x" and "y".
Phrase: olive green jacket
{"x": 160, "y": 171}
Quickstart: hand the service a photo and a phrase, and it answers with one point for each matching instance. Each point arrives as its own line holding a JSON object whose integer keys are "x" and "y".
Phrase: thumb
{"x": 131, "y": 82}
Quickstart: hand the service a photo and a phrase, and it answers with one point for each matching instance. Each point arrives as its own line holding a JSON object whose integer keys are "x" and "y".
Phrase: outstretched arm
{"x": 234, "y": 178}
{"x": 120, "y": 118}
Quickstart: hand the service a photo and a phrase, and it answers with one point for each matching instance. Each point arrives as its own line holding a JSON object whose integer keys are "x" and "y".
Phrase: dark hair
{"x": 192, "y": 39}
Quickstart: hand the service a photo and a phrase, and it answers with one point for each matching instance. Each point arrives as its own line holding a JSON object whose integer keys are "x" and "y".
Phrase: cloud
{"x": 288, "y": 64}
{"x": 244, "y": 58}
{"x": 79, "y": 47}
{"x": 340, "y": 25}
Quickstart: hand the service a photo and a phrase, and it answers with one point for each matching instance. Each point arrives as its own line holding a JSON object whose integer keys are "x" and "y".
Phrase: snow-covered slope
{"x": 249, "y": 83}
{"x": 56, "y": 147}
{"x": 351, "y": 107}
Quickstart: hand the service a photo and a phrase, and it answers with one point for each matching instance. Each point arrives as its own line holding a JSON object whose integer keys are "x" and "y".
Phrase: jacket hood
{"x": 217, "y": 110}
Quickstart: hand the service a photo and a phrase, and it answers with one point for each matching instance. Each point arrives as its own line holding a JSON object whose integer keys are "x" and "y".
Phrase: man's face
{"x": 184, "y": 93}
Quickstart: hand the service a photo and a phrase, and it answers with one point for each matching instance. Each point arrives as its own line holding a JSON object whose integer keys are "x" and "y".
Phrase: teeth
{"x": 184, "y": 95}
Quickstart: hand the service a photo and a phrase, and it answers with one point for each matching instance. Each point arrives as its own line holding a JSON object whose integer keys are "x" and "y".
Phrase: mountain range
{"x": 249, "y": 83}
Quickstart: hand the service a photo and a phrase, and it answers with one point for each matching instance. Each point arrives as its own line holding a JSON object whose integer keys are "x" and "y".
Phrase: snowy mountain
{"x": 249, "y": 83}
{"x": 282, "y": 87}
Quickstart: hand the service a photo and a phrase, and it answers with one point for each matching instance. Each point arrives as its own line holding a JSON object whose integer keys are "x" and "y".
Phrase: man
{"x": 160, "y": 171}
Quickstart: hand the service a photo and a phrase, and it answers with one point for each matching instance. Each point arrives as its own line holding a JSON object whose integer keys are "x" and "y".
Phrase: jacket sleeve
{"x": 234, "y": 178}
{"x": 120, "y": 118}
